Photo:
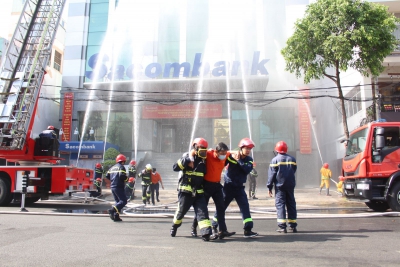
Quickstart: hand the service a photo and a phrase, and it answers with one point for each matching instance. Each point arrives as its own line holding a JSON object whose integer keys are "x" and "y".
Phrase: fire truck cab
{"x": 371, "y": 166}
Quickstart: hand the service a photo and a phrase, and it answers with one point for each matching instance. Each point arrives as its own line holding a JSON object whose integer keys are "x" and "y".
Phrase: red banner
{"x": 67, "y": 116}
{"x": 181, "y": 111}
{"x": 305, "y": 124}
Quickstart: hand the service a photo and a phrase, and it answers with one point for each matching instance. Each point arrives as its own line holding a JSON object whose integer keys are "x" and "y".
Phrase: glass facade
{"x": 161, "y": 40}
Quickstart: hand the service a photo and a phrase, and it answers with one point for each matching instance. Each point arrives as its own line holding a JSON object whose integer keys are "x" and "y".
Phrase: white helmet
{"x": 148, "y": 167}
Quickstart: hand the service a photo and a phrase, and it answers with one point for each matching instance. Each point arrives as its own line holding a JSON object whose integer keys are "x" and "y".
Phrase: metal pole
{"x": 378, "y": 99}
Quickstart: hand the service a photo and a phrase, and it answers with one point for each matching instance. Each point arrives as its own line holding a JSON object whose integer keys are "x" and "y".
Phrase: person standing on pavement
{"x": 215, "y": 163}
{"x": 326, "y": 175}
{"x": 146, "y": 181}
{"x": 117, "y": 175}
{"x": 191, "y": 192}
{"x": 281, "y": 175}
{"x": 240, "y": 165}
{"x": 252, "y": 182}
{"x": 155, "y": 185}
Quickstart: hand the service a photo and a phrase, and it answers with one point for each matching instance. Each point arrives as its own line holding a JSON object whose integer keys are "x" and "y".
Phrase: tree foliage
{"x": 340, "y": 34}
{"x": 109, "y": 158}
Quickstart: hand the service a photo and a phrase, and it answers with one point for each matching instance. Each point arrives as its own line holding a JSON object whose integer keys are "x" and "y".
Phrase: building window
{"x": 352, "y": 103}
{"x": 57, "y": 60}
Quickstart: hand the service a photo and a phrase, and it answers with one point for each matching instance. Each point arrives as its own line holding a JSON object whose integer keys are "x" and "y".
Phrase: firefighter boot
{"x": 117, "y": 218}
{"x": 224, "y": 234}
{"x": 111, "y": 212}
{"x": 206, "y": 237}
{"x": 173, "y": 231}
{"x": 282, "y": 230}
{"x": 249, "y": 233}
{"x": 327, "y": 192}
{"x": 194, "y": 231}
{"x": 293, "y": 230}
{"x": 320, "y": 190}
{"x": 214, "y": 234}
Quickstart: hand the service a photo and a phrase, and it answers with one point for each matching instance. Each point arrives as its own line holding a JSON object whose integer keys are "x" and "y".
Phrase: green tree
{"x": 109, "y": 158}
{"x": 340, "y": 34}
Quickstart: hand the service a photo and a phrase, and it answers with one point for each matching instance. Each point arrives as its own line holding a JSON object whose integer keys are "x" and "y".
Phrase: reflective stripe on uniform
{"x": 175, "y": 220}
{"x": 180, "y": 164}
{"x": 232, "y": 161}
{"x": 247, "y": 220}
{"x": 215, "y": 219}
{"x": 292, "y": 220}
{"x": 281, "y": 220}
{"x": 118, "y": 171}
{"x": 283, "y": 163}
{"x": 204, "y": 224}
{"x": 200, "y": 174}
{"x": 185, "y": 187}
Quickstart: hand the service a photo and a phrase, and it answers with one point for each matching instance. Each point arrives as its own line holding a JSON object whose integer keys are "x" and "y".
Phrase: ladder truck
{"x": 35, "y": 172}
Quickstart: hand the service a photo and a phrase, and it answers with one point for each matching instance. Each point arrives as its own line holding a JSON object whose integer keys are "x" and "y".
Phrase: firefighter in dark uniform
{"x": 252, "y": 182}
{"x": 240, "y": 165}
{"x": 146, "y": 182}
{"x": 191, "y": 192}
{"x": 281, "y": 174}
{"x": 98, "y": 178}
{"x": 117, "y": 175}
{"x": 132, "y": 174}
{"x": 129, "y": 188}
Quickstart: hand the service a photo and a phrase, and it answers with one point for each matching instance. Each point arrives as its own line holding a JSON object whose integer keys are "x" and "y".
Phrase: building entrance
{"x": 168, "y": 139}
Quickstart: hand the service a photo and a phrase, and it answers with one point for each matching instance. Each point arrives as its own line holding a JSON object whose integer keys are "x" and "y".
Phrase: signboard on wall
{"x": 181, "y": 111}
{"x": 67, "y": 116}
{"x": 305, "y": 123}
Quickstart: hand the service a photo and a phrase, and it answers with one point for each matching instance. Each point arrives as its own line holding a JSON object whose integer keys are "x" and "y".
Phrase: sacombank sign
{"x": 154, "y": 70}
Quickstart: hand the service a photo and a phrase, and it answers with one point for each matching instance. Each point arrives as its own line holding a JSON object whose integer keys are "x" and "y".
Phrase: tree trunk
{"x": 344, "y": 115}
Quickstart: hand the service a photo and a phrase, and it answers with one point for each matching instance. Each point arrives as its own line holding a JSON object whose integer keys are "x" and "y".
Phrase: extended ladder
{"x": 23, "y": 67}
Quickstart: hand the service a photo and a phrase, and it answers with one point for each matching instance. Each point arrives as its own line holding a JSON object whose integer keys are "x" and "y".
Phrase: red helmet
{"x": 98, "y": 179}
{"x": 50, "y": 127}
{"x": 133, "y": 162}
{"x": 246, "y": 142}
{"x": 131, "y": 179}
{"x": 281, "y": 147}
{"x": 120, "y": 157}
{"x": 326, "y": 165}
{"x": 200, "y": 142}
{"x": 98, "y": 165}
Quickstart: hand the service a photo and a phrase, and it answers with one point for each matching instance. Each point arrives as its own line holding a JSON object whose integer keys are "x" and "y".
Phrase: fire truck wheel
{"x": 394, "y": 197}
{"x": 5, "y": 192}
{"x": 377, "y": 205}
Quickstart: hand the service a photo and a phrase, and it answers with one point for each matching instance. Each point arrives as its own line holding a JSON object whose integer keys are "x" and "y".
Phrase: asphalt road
{"x": 94, "y": 240}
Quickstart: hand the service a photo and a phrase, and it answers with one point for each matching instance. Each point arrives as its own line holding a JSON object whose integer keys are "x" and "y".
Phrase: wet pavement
{"x": 309, "y": 201}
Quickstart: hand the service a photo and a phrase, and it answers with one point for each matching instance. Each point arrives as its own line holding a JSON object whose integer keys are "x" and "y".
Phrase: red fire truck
{"x": 371, "y": 166}
{"x": 34, "y": 171}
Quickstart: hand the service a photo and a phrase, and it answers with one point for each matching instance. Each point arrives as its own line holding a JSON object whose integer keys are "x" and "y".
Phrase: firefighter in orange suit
{"x": 191, "y": 192}
{"x": 117, "y": 175}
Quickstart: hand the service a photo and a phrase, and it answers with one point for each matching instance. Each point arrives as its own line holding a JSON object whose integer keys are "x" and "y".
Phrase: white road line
{"x": 141, "y": 247}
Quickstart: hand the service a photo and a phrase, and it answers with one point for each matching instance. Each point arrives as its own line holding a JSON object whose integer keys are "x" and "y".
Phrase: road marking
{"x": 142, "y": 247}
